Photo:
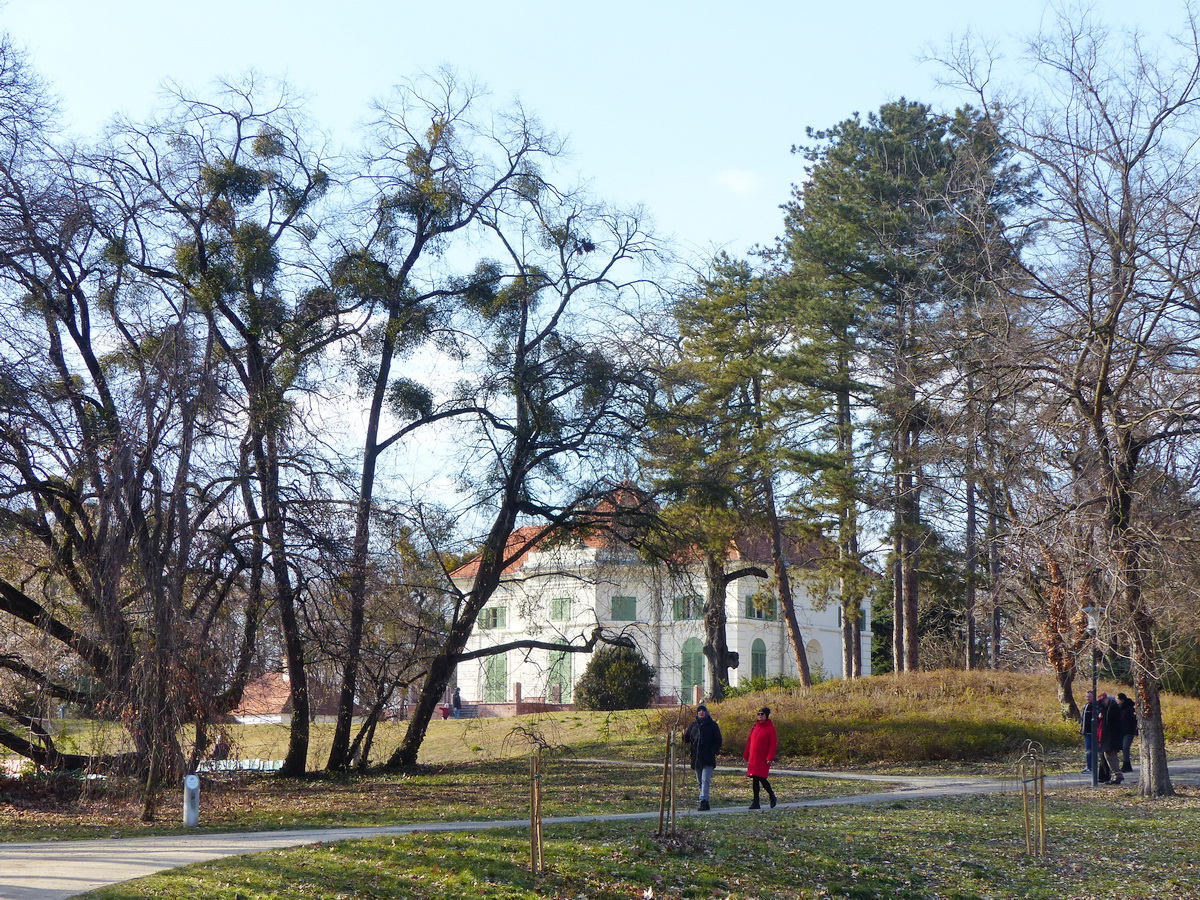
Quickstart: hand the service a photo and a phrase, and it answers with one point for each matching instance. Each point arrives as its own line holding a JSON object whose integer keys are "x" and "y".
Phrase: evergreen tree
{"x": 734, "y": 411}
{"x": 615, "y": 678}
{"x": 878, "y": 252}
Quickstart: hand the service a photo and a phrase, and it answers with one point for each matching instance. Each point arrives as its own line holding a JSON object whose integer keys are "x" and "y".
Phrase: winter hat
{"x": 701, "y": 707}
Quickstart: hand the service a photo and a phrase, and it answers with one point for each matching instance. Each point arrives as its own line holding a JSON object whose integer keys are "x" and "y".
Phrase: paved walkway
{"x": 55, "y": 870}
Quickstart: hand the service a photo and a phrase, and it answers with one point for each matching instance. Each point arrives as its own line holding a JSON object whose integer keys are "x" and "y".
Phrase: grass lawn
{"x": 481, "y": 791}
{"x": 1103, "y": 844}
{"x": 1100, "y": 846}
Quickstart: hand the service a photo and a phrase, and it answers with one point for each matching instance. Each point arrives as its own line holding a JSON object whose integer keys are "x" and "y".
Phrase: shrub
{"x": 41, "y": 790}
{"x": 615, "y": 678}
{"x": 762, "y": 683}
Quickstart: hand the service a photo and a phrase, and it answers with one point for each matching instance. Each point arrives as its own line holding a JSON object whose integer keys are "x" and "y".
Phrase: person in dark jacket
{"x": 1085, "y": 728}
{"x": 761, "y": 744}
{"x": 1110, "y": 737}
{"x": 704, "y": 738}
{"x": 1129, "y": 729}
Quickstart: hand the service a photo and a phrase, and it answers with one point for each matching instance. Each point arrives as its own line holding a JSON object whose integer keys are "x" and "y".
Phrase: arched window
{"x": 816, "y": 657}
{"x": 692, "y": 668}
{"x": 495, "y": 679}
{"x": 758, "y": 659}
{"x": 558, "y": 681}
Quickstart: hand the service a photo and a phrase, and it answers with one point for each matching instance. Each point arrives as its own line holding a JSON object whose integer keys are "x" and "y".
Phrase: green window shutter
{"x": 758, "y": 659}
{"x": 759, "y": 608}
{"x": 559, "y": 677}
{"x": 691, "y": 668}
{"x": 560, "y": 609}
{"x": 493, "y": 617}
{"x": 495, "y": 679}
{"x": 624, "y": 609}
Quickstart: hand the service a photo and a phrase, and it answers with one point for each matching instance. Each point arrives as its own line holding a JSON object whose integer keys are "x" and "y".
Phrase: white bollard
{"x": 191, "y": 801}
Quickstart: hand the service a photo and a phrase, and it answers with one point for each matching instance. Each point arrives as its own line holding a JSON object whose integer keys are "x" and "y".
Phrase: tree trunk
{"x": 911, "y": 512}
{"x": 850, "y": 656}
{"x": 849, "y": 592}
{"x": 993, "y": 556}
{"x": 339, "y": 751}
{"x": 295, "y": 762}
{"x": 492, "y": 560}
{"x": 440, "y": 672}
{"x": 1063, "y": 680}
{"x": 716, "y": 637}
{"x": 1154, "y": 779}
{"x": 897, "y": 592}
{"x": 971, "y": 566}
{"x": 786, "y": 603}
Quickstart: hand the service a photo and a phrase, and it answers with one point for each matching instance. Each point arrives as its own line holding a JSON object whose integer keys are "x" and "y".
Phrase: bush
{"x": 615, "y": 678}
{"x": 41, "y": 790}
{"x": 762, "y": 683}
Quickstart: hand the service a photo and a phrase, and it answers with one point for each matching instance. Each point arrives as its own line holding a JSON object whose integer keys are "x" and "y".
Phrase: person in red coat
{"x": 760, "y": 753}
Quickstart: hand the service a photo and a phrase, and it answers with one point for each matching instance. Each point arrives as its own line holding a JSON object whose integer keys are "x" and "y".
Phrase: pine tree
{"x": 879, "y": 258}
{"x": 724, "y": 435}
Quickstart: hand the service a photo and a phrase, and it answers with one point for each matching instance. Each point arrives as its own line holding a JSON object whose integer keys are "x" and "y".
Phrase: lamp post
{"x": 1093, "y": 626}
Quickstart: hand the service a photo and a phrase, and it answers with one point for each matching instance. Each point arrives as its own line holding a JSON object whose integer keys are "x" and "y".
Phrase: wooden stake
{"x": 537, "y": 862}
{"x": 666, "y": 777}
{"x": 673, "y": 792}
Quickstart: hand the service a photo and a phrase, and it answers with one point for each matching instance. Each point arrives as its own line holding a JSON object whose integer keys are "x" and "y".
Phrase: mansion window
{"x": 758, "y": 659}
{"x": 493, "y": 617}
{"x": 691, "y": 666}
{"x": 862, "y": 618}
{"x": 560, "y": 609}
{"x": 688, "y": 607}
{"x": 495, "y": 679}
{"x": 624, "y": 609}
{"x": 760, "y": 607}
{"x": 558, "y": 681}
{"x": 816, "y": 658}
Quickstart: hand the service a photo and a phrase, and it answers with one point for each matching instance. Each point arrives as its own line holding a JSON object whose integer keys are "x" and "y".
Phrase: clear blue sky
{"x": 688, "y": 108}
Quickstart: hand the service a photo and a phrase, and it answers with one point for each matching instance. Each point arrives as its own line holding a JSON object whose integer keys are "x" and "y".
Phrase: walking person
{"x": 761, "y": 744}
{"x": 1085, "y": 728}
{"x": 1110, "y": 737}
{"x": 704, "y": 738}
{"x": 456, "y": 704}
{"x": 1129, "y": 729}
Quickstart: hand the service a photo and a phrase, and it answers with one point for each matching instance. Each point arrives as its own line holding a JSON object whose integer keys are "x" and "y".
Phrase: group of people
{"x": 703, "y": 737}
{"x": 1109, "y": 725}
{"x": 1116, "y": 725}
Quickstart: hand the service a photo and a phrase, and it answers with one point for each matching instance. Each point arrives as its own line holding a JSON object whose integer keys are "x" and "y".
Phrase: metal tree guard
{"x": 1033, "y": 799}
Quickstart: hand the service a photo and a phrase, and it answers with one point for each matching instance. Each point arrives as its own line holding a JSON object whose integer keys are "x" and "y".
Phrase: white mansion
{"x": 560, "y": 591}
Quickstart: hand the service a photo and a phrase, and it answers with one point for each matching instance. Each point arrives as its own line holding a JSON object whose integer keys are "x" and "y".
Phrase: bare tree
{"x": 1114, "y": 276}
{"x": 551, "y": 399}
{"x": 440, "y": 170}
{"x": 116, "y": 501}
{"x": 215, "y": 206}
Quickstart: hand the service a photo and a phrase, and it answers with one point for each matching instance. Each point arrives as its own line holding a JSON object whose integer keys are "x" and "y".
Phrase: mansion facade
{"x": 561, "y": 592}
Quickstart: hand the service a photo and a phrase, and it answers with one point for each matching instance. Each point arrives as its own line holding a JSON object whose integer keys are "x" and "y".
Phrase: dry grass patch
{"x": 917, "y": 718}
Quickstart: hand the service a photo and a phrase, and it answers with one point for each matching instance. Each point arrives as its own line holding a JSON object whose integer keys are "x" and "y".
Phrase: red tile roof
{"x": 520, "y": 544}
{"x": 748, "y": 547}
{"x": 270, "y": 695}
{"x": 267, "y": 695}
